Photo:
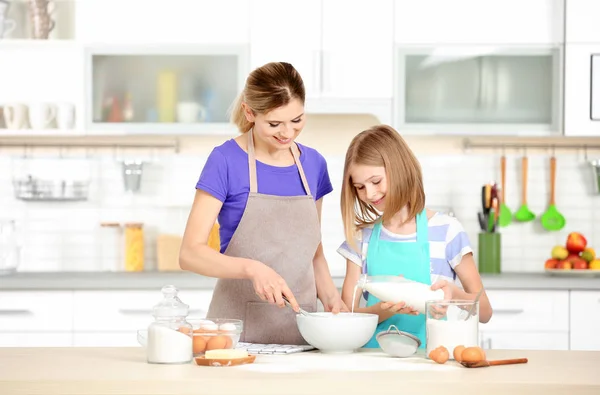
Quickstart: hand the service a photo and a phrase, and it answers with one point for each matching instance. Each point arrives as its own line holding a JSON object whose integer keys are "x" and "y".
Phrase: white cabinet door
{"x": 178, "y": 21}
{"x": 525, "y": 341}
{"x": 585, "y": 320}
{"x": 35, "y": 339}
{"x": 475, "y": 21}
{"x": 288, "y": 31}
{"x": 528, "y": 311}
{"x": 582, "y": 21}
{"x": 120, "y": 311}
{"x": 36, "y": 311}
{"x": 99, "y": 339}
{"x": 357, "y": 49}
{"x": 582, "y": 89}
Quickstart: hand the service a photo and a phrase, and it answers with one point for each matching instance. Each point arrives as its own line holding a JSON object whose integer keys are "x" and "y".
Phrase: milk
{"x": 412, "y": 293}
{"x": 451, "y": 334}
{"x": 166, "y": 345}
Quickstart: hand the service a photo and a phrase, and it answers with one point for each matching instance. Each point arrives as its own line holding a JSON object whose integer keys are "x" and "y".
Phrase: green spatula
{"x": 505, "y": 214}
{"x": 523, "y": 214}
{"x": 552, "y": 219}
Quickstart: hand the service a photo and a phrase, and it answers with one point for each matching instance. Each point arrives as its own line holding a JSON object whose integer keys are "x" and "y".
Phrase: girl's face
{"x": 370, "y": 183}
{"x": 278, "y": 128}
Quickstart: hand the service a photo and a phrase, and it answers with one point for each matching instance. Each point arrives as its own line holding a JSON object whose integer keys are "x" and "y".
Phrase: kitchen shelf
{"x": 40, "y": 133}
{"x": 174, "y": 129}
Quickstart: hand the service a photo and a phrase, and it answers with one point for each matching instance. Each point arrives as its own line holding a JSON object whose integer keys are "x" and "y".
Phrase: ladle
{"x": 485, "y": 364}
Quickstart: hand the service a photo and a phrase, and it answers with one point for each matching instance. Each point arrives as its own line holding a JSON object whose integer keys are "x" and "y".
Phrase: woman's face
{"x": 278, "y": 128}
{"x": 370, "y": 183}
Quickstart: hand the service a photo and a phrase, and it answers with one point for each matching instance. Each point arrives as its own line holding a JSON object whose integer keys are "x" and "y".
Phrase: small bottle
{"x": 111, "y": 247}
{"x": 170, "y": 335}
{"x": 134, "y": 247}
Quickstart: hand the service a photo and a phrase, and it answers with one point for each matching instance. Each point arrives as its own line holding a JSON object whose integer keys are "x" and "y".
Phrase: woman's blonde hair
{"x": 381, "y": 146}
{"x": 267, "y": 88}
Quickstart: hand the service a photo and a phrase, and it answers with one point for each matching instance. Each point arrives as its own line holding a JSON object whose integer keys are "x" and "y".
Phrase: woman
{"x": 266, "y": 191}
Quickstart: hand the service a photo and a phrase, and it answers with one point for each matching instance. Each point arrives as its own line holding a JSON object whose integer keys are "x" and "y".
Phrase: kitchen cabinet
{"x": 35, "y": 339}
{"x": 500, "y": 22}
{"x": 154, "y": 22}
{"x": 582, "y": 89}
{"x": 581, "y": 18}
{"x": 39, "y": 311}
{"x": 478, "y": 89}
{"x": 103, "y": 339}
{"x": 174, "y": 89}
{"x": 585, "y": 320}
{"x": 524, "y": 341}
{"x": 345, "y": 58}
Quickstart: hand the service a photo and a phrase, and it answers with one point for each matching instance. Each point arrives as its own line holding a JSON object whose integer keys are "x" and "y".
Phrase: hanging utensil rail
{"x": 467, "y": 144}
{"x": 171, "y": 145}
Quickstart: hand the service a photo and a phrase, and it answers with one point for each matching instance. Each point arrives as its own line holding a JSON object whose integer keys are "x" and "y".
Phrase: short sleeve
{"x": 346, "y": 250}
{"x": 457, "y": 243}
{"x": 213, "y": 178}
{"x": 324, "y": 186}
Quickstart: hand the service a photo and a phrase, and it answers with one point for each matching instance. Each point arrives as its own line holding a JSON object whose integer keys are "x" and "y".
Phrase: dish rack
{"x": 34, "y": 189}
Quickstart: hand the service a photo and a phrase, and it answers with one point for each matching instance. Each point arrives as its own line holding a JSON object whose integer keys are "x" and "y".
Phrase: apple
{"x": 588, "y": 254}
{"x": 551, "y": 263}
{"x": 559, "y": 252}
{"x": 564, "y": 265}
{"x": 579, "y": 264}
{"x": 576, "y": 242}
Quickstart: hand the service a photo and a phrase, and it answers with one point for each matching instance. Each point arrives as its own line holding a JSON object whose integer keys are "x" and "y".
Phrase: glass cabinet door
{"x": 462, "y": 88}
{"x": 176, "y": 92}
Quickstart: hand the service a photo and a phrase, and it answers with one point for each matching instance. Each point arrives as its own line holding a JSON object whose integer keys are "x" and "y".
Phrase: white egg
{"x": 227, "y": 327}
{"x": 209, "y": 327}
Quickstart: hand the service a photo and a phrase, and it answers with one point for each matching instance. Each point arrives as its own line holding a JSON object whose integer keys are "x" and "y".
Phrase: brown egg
{"x": 473, "y": 354}
{"x": 184, "y": 329}
{"x": 440, "y": 355}
{"x": 458, "y": 350}
{"x": 219, "y": 342}
{"x": 199, "y": 344}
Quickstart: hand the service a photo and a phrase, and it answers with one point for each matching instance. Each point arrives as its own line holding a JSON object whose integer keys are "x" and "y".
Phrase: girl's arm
{"x": 326, "y": 289}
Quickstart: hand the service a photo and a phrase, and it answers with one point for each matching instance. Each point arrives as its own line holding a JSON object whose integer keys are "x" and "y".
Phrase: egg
{"x": 439, "y": 355}
{"x": 184, "y": 329}
{"x": 219, "y": 342}
{"x": 227, "y": 327}
{"x": 458, "y": 350}
{"x": 209, "y": 327}
{"x": 199, "y": 344}
{"x": 473, "y": 354}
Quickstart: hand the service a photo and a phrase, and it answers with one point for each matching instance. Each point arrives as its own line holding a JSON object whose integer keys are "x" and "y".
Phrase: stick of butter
{"x": 226, "y": 354}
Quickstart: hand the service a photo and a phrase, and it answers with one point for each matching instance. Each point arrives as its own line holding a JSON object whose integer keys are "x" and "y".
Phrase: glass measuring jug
{"x": 452, "y": 323}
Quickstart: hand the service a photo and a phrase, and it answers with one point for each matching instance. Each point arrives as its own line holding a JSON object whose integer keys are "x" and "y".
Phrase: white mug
{"x": 41, "y": 115}
{"x": 190, "y": 112}
{"x": 6, "y": 25}
{"x": 15, "y": 116}
{"x": 65, "y": 118}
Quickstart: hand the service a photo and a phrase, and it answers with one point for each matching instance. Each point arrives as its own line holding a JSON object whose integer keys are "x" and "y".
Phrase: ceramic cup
{"x": 41, "y": 115}
{"x": 65, "y": 116}
{"x": 15, "y": 116}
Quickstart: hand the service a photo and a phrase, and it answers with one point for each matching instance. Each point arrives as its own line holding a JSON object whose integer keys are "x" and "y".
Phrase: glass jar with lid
{"x": 170, "y": 335}
{"x": 134, "y": 247}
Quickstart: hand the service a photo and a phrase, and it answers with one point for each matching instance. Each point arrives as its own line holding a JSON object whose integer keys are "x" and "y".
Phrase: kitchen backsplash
{"x": 61, "y": 236}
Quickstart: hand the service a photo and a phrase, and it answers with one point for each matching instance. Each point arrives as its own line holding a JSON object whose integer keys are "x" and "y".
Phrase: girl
{"x": 390, "y": 232}
{"x": 267, "y": 192}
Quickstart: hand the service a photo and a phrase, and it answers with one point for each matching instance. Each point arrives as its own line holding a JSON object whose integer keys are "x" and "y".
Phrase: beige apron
{"x": 283, "y": 232}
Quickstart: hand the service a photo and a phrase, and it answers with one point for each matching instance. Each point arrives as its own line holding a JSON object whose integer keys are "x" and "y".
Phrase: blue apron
{"x": 393, "y": 258}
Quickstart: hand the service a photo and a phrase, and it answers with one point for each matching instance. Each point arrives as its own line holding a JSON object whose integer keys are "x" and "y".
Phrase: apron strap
{"x": 252, "y": 166}
{"x": 422, "y": 233}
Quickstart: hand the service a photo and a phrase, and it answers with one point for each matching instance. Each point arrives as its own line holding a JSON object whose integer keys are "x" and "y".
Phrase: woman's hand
{"x": 398, "y": 308}
{"x": 334, "y": 304}
{"x": 270, "y": 286}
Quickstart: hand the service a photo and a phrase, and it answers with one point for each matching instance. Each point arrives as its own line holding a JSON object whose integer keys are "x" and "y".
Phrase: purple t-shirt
{"x": 225, "y": 176}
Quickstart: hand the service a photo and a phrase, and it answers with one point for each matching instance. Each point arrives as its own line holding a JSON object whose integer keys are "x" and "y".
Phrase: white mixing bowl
{"x": 341, "y": 333}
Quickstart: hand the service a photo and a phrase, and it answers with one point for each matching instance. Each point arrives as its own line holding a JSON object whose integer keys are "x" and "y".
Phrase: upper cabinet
{"x": 582, "y": 25}
{"x": 344, "y": 54}
{"x": 479, "y": 22}
{"x": 161, "y": 22}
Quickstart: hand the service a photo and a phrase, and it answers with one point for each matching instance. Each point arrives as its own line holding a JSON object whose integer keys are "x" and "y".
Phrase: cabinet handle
{"x": 317, "y": 70}
{"x": 16, "y": 312}
{"x": 489, "y": 347}
{"x": 325, "y": 69}
{"x": 509, "y": 311}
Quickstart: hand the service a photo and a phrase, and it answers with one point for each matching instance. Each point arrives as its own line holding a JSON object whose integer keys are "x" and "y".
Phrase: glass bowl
{"x": 215, "y": 334}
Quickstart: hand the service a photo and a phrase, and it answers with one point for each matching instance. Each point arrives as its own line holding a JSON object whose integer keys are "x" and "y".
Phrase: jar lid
{"x": 110, "y": 224}
{"x": 171, "y": 305}
{"x": 134, "y": 225}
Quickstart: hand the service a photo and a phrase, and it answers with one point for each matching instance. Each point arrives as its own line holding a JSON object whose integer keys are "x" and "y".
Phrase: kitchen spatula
{"x": 505, "y": 214}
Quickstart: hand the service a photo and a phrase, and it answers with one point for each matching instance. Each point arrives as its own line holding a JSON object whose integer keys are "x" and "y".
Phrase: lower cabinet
{"x": 585, "y": 320}
{"x": 524, "y": 341}
{"x": 35, "y": 339}
{"x": 103, "y": 339}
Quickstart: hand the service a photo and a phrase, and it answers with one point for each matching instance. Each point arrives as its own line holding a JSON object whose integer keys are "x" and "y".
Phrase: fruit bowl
{"x": 215, "y": 334}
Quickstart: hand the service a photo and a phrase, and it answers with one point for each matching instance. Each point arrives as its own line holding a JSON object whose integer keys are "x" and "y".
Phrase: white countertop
{"x": 124, "y": 371}
{"x": 187, "y": 280}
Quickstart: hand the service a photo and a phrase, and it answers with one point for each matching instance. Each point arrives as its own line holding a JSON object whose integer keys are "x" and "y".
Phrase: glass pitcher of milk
{"x": 399, "y": 289}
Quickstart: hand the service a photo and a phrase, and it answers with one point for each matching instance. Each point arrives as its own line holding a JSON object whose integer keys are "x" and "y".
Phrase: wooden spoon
{"x": 485, "y": 364}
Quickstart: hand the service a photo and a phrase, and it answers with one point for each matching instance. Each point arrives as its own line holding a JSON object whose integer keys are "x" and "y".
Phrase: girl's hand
{"x": 334, "y": 304}
{"x": 448, "y": 288}
{"x": 397, "y": 308}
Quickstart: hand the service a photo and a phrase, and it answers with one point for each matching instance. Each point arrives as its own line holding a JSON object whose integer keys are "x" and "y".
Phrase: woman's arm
{"x": 195, "y": 254}
{"x": 326, "y": 289}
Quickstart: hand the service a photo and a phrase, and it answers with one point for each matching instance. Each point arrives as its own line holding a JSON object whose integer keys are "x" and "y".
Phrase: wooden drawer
{"x": 105, "y": 311}
{"x": 524, "y": 311}
{"x": 585, "y": 320}
{"x": 524, "y": 341}
{"x": 32, "y": 311}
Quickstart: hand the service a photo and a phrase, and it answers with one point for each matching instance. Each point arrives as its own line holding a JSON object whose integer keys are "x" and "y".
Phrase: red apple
{"x": 551, "y": 263}
{"x": 576, "y": 242}
{"x": 564, "y": 265}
